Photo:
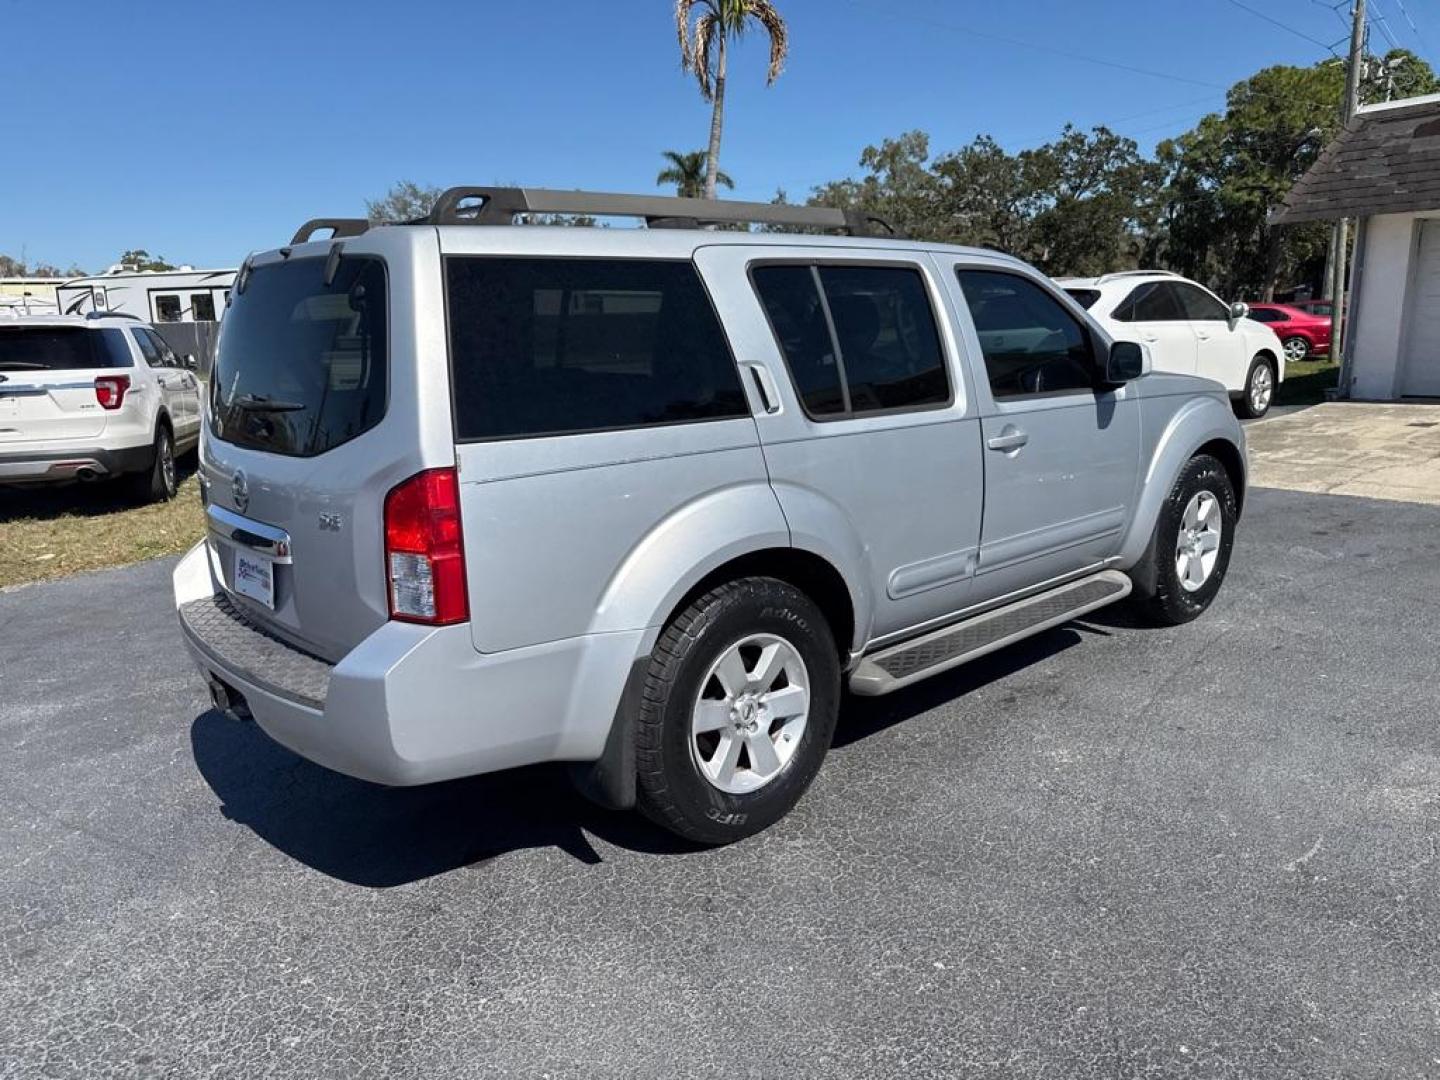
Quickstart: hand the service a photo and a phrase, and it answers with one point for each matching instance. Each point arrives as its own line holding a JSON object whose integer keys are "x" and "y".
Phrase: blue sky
{"x": 202, "y": 131}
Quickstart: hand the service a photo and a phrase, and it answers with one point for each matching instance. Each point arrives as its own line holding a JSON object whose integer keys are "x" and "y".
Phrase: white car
{"x": 93, "y": 398}
{"x": 1189, "y": 330}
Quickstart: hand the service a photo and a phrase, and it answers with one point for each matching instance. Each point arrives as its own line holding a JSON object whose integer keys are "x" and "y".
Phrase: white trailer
{"x": 157, "y": 296}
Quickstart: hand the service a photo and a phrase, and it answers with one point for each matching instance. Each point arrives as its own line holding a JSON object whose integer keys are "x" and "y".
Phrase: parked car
{"x": 1314, "y": 307}
{"x": 645, "y": 501}
{"x": 1190, "y": 331}
{"x": 94, "y": 398}
{"x": 1300, "y": 332}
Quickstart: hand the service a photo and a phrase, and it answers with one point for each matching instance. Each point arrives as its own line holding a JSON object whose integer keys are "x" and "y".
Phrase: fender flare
{"x": 1199, "y": 421}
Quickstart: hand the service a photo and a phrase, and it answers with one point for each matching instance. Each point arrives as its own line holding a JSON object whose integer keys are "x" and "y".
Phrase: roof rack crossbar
{"x": 340, "y": 227}
{"x": 501, "y": 205}
{"x": 1118, "y": 274}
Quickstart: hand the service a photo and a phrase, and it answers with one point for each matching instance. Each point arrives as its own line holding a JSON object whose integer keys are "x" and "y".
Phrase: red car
{"x": 1301, "y": 332}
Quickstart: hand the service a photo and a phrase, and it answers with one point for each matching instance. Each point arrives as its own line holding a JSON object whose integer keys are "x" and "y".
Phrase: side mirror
{"x": 1128, "y": 360}
{"x": 1238, "y": 311}
{"x": 188, "y": 362}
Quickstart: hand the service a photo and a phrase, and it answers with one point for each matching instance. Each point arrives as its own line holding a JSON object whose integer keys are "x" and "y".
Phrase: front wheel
{"x": 738, "y": 710}
{"x": 1259, "y": 389}
{"x": 1296, "y": 349}
{"x": 1189, "y": 551}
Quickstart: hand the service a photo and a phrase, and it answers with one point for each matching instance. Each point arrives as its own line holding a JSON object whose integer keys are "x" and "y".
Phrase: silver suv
{"x": 649, "y": 500}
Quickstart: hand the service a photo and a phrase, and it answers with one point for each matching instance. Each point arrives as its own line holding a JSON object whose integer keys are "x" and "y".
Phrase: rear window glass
{"x": 61, "y": 348}
{"x": 1084, "y": 297}
{"x": 556, "y": 346}
{"x": 301, "y": 366}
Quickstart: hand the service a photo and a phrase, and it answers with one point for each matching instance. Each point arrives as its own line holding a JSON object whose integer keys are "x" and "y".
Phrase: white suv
{"x": 91, "y": 398}
{"x": 1188, "y": 330}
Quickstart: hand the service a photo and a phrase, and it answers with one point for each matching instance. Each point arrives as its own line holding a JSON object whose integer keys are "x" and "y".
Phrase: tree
{"x": 704, "y": 52}
{"x": 141, "y": 260}
{"x": 687, "y": 173}
{"x": 405, "y": 201}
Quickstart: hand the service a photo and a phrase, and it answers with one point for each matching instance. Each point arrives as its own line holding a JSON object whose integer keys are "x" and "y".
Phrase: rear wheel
{"x": 1259, "y": 389}
{"x": 158, "y": 482}
{"x": 1189, "y": 551}
{"x": 1296, "y": 348}
{"x": 738, "y": 711}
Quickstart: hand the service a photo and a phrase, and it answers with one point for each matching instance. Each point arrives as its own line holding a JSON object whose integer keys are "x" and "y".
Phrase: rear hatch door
{"x": 47, "y": 380}
{"x": 302, "y": 444}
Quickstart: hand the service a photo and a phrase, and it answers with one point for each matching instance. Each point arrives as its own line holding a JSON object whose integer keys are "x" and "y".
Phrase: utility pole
{"x": 1340, "y": 236}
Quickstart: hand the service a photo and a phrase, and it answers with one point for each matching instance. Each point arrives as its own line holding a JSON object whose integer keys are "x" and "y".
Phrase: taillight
{"x": 424, "y": 550}
{"x": 110, "y": 390}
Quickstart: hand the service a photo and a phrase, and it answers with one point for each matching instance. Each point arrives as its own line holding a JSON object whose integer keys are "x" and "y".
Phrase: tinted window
{"x": 301, "y": 366}
{"x": 62, "y": 348}
{"x": 1155, "y": 301}
{"x": 161, "y": 348}
{"x": 1267, "y": 316}
{"x": 791, "y": 297}
{"x": 550, "y": 346}
{"x": 167, "y": 308}
{"x": 872, "y": 346}
{"x": 1032, "y": 345}
{"x": 1084, "y": 297}
{"x": 148, "y": 348}
{"x": 1200, "y": 305}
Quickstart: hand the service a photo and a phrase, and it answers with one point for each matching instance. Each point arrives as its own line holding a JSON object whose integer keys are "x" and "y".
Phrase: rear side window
{"x": 557, "y": 346}
{"x": 301, "y": 366}
{"x": 1084, "y": 297}
{"x": 1155, "y": 301}
{"x": 148, "y": 348}
{"x": 62, "y": 348}
{"x": 1031, "y": 344}
{"x": 1267, "y": 315}
{"x": 857, "y": 339}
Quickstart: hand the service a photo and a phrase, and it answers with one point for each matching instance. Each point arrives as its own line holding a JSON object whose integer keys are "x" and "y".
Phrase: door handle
{"x": 765, "y": 387}
{"x": 1009, "y": 439}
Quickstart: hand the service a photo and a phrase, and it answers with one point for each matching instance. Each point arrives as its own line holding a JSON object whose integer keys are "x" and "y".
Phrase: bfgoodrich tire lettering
{"x": 674, "y": 789}
{"x": 1203, "y": 491}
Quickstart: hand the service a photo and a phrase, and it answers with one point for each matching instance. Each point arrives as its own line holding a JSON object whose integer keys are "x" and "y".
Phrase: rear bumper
{"x": 41, "y": 466}
{"x": 409, "y": 704}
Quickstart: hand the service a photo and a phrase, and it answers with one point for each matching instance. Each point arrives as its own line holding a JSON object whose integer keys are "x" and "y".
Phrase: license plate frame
{"x": 254, "y": 577}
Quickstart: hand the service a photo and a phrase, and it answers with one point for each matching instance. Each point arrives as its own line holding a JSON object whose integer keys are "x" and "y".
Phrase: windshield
{"x": 61, "y": 348}
{"x": 301, "y": 365}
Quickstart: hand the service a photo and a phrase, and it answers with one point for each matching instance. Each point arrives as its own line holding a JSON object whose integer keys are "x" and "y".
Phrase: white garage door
{"x": 1420, "y": 376}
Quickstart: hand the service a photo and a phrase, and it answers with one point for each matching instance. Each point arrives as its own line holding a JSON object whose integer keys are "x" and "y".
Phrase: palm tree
{"x": 687, "y": 173}
{"x": 703, "y": 52}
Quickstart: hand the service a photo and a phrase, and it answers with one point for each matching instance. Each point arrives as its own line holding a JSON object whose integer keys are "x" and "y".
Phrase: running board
{"x": 900, "y": 665}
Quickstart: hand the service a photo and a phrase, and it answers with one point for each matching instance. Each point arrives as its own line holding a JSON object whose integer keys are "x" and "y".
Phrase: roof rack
{"x": 501, "y": 205}
{"x": 1134, "y": 273}
{"x": 339, "y": 227}
{"x": 112, "y": 315}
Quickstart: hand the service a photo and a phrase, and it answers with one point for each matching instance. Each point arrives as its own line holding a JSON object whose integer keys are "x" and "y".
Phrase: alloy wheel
{"x": 1262, "y": 388}
{"x": 1197, "y": 548}
{"x": 750, "y": 714}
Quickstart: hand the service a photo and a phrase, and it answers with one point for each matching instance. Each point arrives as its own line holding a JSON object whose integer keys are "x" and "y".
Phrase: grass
{"x": 51, "y": 532}
{"x": 1306, "y": 381}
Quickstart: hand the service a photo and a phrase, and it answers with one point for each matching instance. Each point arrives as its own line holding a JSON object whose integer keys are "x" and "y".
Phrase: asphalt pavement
{"x": 1107, "y": 852}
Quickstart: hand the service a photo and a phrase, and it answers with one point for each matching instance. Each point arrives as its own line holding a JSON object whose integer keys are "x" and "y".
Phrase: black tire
{"x": 1301, "y": 346}
{"x": 158, "y": 483}
{"x": 671, "y": 790}
{"x": 1159, "y": 595}
{"x": 1248, "y": 404}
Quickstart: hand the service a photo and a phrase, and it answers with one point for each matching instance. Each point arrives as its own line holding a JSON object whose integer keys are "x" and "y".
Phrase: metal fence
{"x": 195, "y": 338}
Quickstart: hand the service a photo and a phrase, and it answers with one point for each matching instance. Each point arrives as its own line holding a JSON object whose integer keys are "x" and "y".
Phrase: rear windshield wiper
{"x": 260, "y": 403}
{"x": 22, "y": 365}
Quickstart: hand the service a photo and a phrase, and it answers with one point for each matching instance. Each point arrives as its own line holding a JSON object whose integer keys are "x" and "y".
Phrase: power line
{"x": 1413, "y": 28}
{"x": 1284, "y": 26}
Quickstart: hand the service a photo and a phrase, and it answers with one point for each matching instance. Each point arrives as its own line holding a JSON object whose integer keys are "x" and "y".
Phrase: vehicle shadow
{"x": 96, "y": 499}
{"x": 380, "y": 837}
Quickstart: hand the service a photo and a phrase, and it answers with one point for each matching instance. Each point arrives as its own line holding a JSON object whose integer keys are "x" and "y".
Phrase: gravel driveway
{"x": 1107, "y": 852}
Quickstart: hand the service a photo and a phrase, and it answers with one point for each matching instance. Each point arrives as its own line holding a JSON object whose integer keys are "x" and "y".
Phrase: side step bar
{"x": 910, "y": 661}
